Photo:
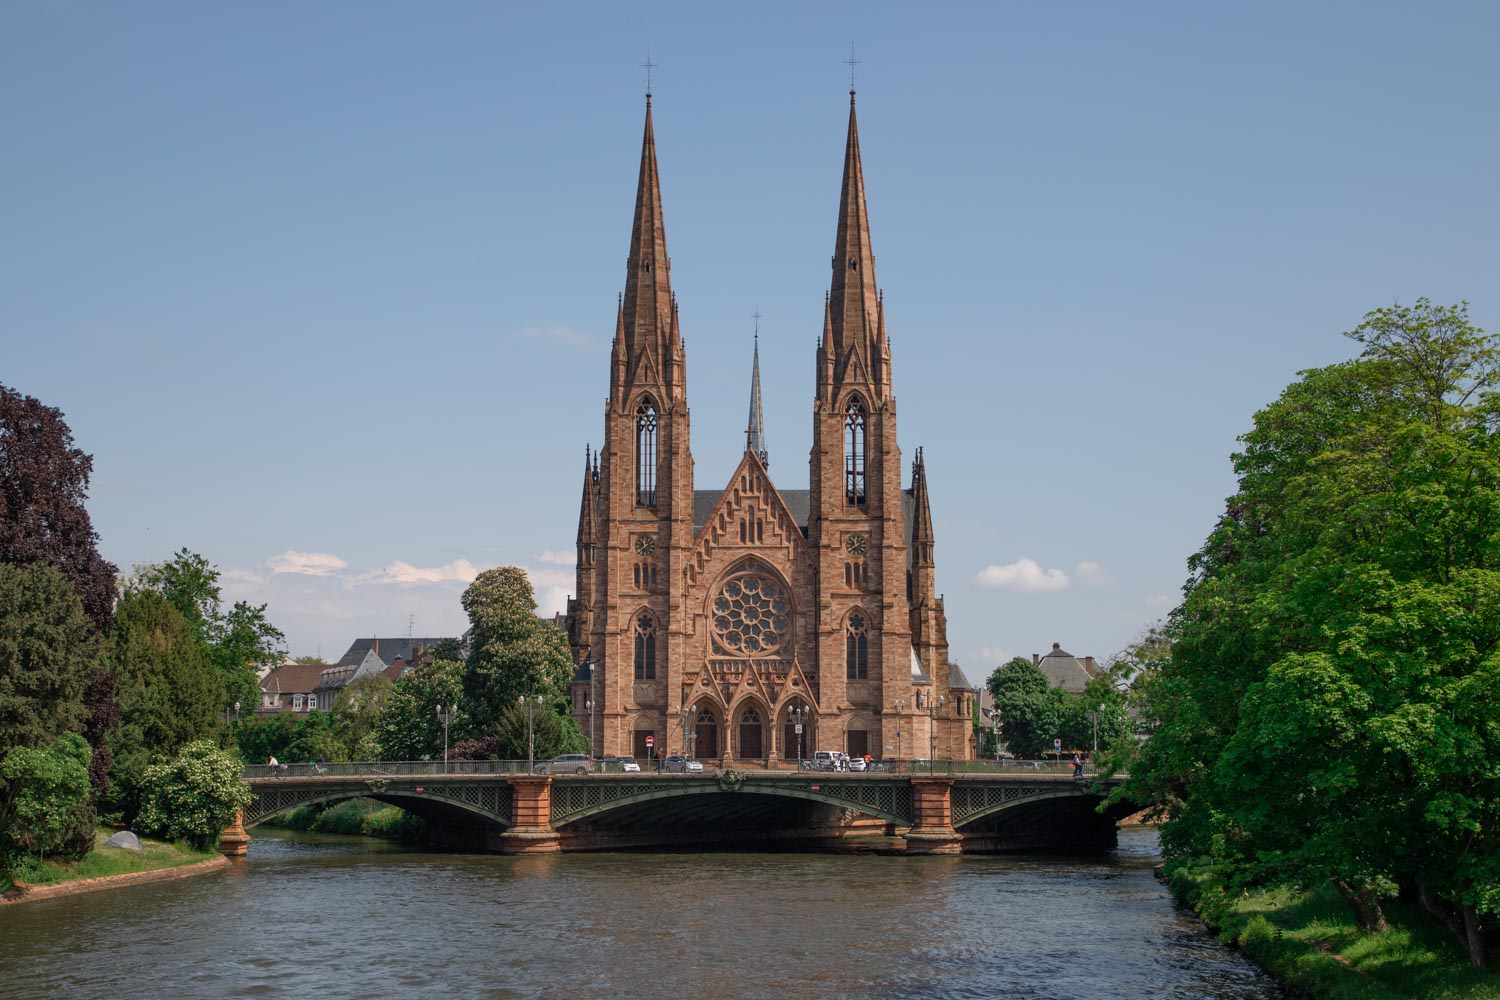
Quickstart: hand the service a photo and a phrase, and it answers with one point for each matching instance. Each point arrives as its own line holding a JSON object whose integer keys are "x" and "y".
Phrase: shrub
{"x": 46, "y": 799}
{"x": 194, "y": 796}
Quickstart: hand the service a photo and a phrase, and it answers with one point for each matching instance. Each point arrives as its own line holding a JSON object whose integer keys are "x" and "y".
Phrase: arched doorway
{"x": 752, "y": 743}
{"x": 706, "y": 746}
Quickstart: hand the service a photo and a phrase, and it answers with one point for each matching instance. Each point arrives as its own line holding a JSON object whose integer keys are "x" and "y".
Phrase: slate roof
{"x": 1064, "y": 670}
{"x": 391, "y": 650}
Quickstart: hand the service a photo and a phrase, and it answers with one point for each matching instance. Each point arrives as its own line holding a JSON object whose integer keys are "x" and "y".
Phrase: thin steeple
{"x": 647, "y": 308}
{"x": 755, "y": 430}
{"x": 852, "y": 299}
{"x": 922, "y": 534}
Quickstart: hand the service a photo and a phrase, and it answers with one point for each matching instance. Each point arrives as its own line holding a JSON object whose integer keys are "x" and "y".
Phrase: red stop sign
{"x": 651, "y": 741}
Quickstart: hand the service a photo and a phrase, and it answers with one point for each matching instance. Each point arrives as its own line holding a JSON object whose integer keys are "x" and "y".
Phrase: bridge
{"x": 502, "y": 806}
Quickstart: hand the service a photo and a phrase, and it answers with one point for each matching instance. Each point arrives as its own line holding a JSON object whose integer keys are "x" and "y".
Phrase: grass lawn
{"x": 103, "y": 861}
{"x": 1311, "y": 941}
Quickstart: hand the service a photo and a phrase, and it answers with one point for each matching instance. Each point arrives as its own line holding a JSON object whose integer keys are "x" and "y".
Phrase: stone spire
{"x": 922, "y": 534}
{"x": 647, "y": 310}
{"x": 755, "y": 430}
{"x": 853, "y": 300}
{"x": 588, "y": 517}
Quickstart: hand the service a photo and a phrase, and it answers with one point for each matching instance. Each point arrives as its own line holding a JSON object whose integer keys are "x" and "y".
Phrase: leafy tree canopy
{"x": 1327, "y": 710}
{"x": 410, "y": 727}
{"x": 512, "y": 652}
{"x": 44, "y": 481}
{"x": 47, "y": 655}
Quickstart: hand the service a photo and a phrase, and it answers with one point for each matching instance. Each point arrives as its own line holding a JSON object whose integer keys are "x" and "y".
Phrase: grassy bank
{"x": 357, "y": 817}
{"x": 1311, "y": 942}
{"x": 103, "y": 861}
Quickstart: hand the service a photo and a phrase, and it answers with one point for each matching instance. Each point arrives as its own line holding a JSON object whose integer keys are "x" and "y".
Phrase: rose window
{"x": 752, "y": 615}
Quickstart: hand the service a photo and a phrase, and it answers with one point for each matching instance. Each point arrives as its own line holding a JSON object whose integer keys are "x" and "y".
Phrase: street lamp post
{"x": 995, "y": 722}
{"x": 898, "y": 705}
{"x": 689, "y": 731}
{"x": 446, "y": 718}
{"x": 1094, "y": 718}
{"x": 236, "y": 713}
{"x": 798, "y": 716}
{"x": 590, "y": 665}
{"x": 932, "y": 710}
{"x": 530, "y": 706}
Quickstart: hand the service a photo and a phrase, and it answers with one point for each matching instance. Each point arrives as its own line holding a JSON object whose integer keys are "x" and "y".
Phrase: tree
{"x": 194, "y": 796}
{"x": 357, "y": 713}
{"x": 512, "y": 652}
{"x": 46, "y": 804}
{"x": 410, "y": 728}
{"x": 552, "y": 732}
{"x": 236, "y": 641}
{"x": 1029, "y": 713}
{"x": 47, "y": 654}
{"x": 44, "y": 482}
{"x": 168, "y": 695}
{"x": 1326, "y": 711}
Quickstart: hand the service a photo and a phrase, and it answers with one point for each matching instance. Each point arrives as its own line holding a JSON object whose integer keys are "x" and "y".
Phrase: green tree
{"x": 1029, "y": 712}
{"x": 194, "y": 796}
{"x": 235, "y": 641}
{"x": 167, "y": 694}
{"x": 357, "y": 712}
{"x": 552, "y": 732}
{"x": 1323, "y": 715}
{"x": 410, "y": 728}
{"x": 44, "y": 481}
{"x": 512, "y": 652}
{"x": 48, "y": 653}
{"x": 46, "y": 803}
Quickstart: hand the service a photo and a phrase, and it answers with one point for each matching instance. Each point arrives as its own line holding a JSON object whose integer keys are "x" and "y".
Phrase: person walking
{"x": 1077, "y": 766}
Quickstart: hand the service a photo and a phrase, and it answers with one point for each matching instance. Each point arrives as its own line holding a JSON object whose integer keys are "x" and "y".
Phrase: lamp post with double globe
{"x": 445, "y": 718}
{"x": 798, "y": 716}
{"x": 530, "y": 706}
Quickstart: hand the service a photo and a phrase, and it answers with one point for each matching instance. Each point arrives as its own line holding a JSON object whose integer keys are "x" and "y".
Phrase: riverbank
{"x": 1311, "y": 942}
{"x": 356, "y": 818}
{"x": 108, "y": 868}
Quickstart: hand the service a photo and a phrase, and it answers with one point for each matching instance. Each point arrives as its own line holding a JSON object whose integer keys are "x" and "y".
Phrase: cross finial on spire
{"x": 648, "y": 66}
{"x": 851, "y": 62}
{"x": 756, "y": 316}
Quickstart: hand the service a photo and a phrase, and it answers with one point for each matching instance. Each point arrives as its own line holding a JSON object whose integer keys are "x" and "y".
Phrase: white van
{"x": 830, "y": 760}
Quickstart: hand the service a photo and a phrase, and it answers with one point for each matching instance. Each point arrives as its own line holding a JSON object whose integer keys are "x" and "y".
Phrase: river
{"x": 328, "y": 917}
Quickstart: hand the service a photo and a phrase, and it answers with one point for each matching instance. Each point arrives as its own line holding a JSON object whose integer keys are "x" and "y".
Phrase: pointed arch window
{"x": 857, "y": 648}
{"x": 645, "y": 454}
{"x": 854, "y": 452}
{"x": 645, "y": 647}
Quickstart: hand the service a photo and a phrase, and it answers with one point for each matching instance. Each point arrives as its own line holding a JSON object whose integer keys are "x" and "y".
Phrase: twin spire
{"x": 854, "y": 344}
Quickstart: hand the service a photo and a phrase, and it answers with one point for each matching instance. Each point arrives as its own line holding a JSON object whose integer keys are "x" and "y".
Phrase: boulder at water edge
{"x": 124, "y": 839}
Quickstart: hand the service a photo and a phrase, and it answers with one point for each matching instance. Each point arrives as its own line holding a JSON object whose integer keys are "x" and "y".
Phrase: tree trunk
{"x": 1463, "y": 924}
{"x": 1366, "y": 906}
{"x": 1474, "y": 939}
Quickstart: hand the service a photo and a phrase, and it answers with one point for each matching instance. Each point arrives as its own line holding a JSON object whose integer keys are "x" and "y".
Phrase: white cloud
{"x": 564, "y": 335}
{"x": 560, "y": 558}
{"x": 460, "y": 570}
{"x": 992, "y": 656}
{"x": 306, "y": 563}
{"x": 1091, "y": 574}
{"x": 1024, "y": 575}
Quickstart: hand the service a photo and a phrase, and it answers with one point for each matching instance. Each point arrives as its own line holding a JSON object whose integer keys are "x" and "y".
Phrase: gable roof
{"x": 389, "y": 650}
{"x": 292, "y": 678}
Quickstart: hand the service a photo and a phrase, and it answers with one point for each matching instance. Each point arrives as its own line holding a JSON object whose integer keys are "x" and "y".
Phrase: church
{"x": 752, "y": 623}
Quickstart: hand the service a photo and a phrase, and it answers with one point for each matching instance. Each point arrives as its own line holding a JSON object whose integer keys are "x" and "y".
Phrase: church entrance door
{"x": 706, "y": 746}
{"x": 750, "y": 735}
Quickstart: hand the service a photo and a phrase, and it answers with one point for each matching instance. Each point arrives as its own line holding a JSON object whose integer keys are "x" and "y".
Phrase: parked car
{"x": 568, "y": 763}
{"x": 682, "y": 764}
{"x": 629, "y": 765}
{"x": 856, "y": 764}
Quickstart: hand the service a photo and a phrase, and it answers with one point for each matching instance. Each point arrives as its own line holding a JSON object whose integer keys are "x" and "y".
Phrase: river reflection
{"x": 347, "y": 917}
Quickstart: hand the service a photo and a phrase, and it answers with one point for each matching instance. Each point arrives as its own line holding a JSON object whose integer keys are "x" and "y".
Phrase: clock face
{"x": 645, "y": 545}
{"x": 855, "y": 544}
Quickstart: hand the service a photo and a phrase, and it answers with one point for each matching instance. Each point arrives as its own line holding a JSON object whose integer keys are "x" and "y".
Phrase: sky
{"x": 327, "y": 289}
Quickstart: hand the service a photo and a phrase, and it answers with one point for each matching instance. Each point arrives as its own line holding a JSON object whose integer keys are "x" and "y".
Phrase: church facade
{"x": 714, "y": 623}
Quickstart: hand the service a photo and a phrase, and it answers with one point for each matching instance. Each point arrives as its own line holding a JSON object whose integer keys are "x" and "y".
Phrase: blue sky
{"x": 327, "y": 289}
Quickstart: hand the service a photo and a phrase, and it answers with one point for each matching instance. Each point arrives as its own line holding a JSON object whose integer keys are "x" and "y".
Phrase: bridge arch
{"x": 447, "y": 802}
{"x": 574, "y": 803}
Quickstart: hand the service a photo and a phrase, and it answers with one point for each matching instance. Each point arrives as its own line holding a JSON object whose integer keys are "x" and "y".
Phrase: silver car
{"x": 568, "y": 763}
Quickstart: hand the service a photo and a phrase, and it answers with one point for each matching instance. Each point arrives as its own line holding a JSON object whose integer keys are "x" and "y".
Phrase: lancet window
{"x": 645, "y": 454}
{"x": 857, "y": 648}
{"x": 645, "y": 647}
{"x": 854, "y": 452}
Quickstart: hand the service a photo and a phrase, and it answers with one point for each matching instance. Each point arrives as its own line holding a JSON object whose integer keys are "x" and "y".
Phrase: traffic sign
{"x": 1057, "y": 745}
{"x": 650, "y": 741}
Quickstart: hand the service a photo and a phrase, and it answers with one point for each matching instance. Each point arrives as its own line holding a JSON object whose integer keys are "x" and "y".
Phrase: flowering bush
{"x": 193, "y": 797}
